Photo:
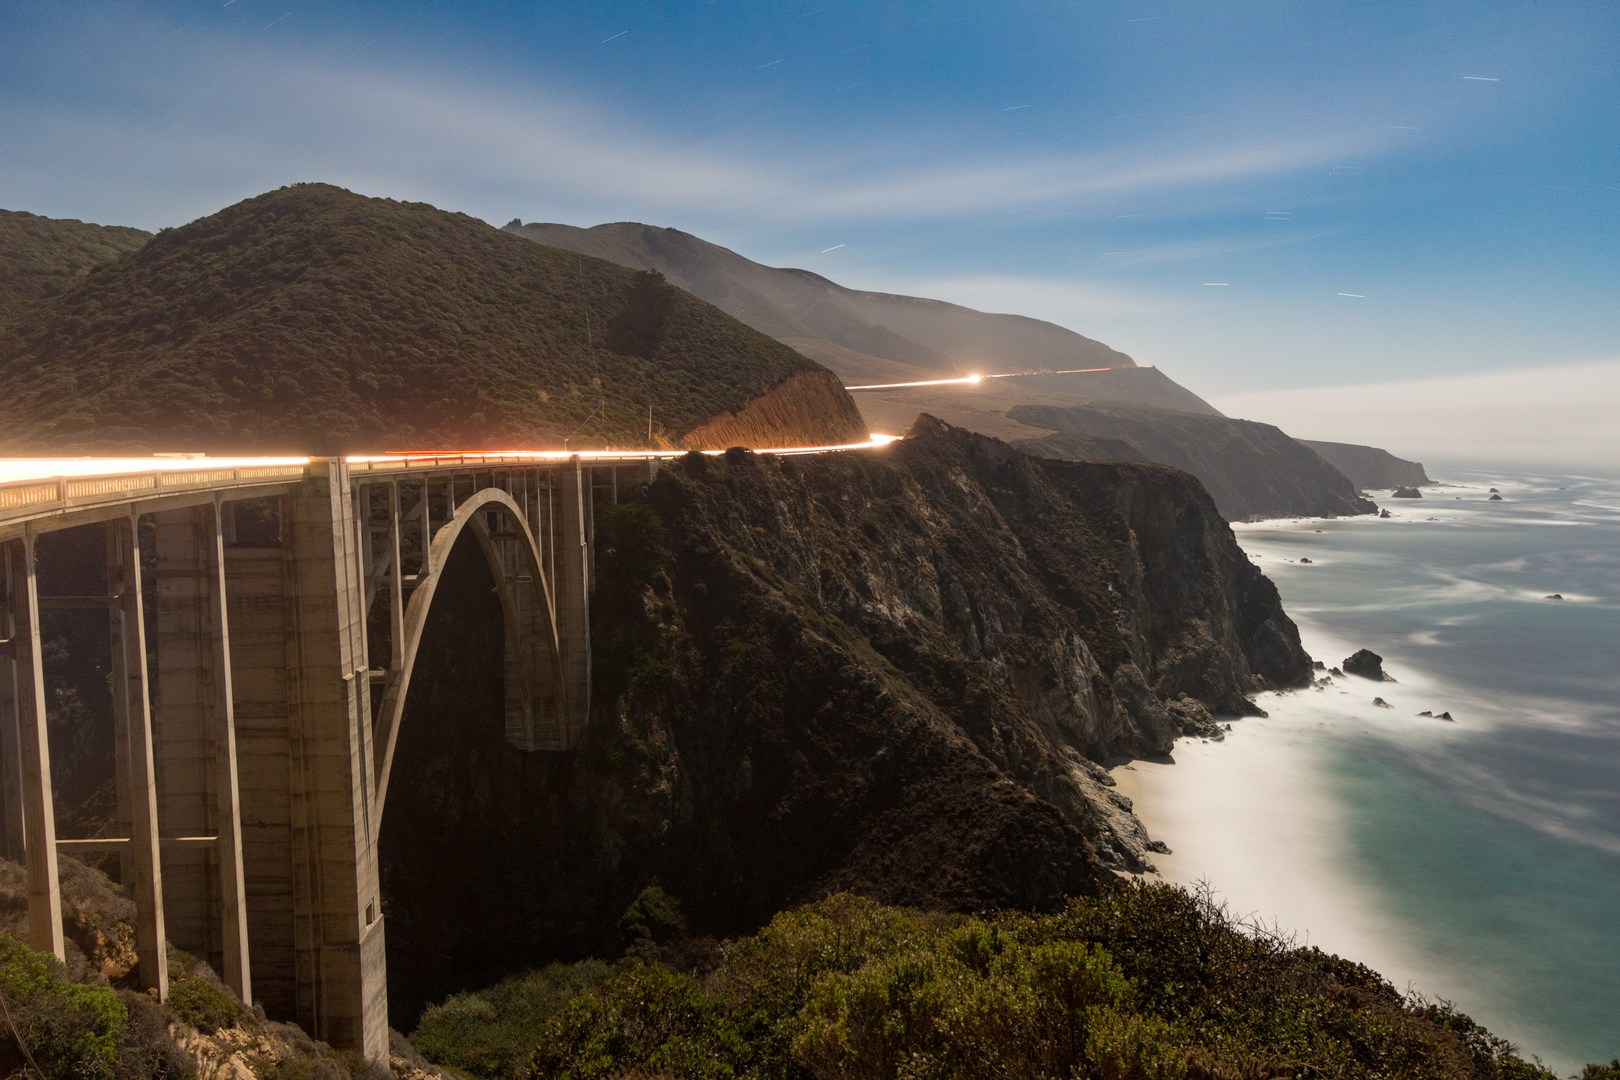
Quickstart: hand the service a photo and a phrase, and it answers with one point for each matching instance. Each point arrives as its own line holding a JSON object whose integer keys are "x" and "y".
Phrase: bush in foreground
{"x": 1143, "y": 983}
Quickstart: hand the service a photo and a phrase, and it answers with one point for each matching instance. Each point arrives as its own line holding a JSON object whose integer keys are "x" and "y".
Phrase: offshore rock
{"x": 1367, "y": 664}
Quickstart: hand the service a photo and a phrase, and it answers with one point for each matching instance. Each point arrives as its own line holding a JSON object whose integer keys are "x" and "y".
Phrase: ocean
{"x": 1477, "y": 860}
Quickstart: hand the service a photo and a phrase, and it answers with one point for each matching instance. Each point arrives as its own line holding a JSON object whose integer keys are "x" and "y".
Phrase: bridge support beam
{"x": 194, "y": 718}
{"x": 337, "y": 917}
{"x": 575, "y": 544}
{"x": 132, "y": 734}
{"x": 33, "y": 749}
{"x": 13, "y": 844}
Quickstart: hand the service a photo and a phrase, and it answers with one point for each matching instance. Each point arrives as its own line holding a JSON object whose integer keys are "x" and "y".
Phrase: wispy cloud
{"x": 1209, "y": 247}
{"x": 1070, "y": 302}
{"x": 259, "y": 111}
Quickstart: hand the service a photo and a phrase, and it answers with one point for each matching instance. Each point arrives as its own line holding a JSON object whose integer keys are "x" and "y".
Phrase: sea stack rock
{"x": 1408, "y": 493}
{"x": 1495, "y": 498}
{"x": 1367, "y": 664}
{"x": 1385, "y": 514}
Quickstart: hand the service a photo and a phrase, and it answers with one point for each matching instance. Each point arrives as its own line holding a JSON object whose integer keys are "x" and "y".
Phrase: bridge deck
{"x": 79, "y": 490}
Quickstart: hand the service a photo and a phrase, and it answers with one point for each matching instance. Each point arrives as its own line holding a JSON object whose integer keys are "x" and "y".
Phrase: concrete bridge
{"x": 264, "y": 619}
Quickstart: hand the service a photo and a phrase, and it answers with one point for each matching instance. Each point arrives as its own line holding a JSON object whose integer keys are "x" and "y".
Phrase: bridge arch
{"x": 543, "y": 704}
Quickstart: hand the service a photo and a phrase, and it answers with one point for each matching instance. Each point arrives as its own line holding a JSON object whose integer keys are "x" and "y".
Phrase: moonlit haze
{"x": 1413, "y": 210}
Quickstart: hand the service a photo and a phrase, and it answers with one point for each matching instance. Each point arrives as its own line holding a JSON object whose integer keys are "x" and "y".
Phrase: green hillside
{"x": 313, "y": 319}
{"x": 41, "y": 257}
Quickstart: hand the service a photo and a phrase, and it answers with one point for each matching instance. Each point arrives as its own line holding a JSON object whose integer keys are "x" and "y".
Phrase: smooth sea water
{"x": 1476, "y": 861}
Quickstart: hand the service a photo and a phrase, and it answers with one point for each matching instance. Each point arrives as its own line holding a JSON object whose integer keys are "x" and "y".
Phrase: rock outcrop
{"x": 897, "y": 672}
{"x": 1367, "y": 664}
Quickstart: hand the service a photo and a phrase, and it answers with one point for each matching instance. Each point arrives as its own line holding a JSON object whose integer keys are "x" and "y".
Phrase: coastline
{"x": 1393, "y": 839}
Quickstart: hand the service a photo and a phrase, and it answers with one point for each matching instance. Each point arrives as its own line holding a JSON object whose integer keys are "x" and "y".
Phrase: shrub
{"x": 494, "y": 1032}
{"x": 204, "y": 1004}
{"x": 56, "y": 1027}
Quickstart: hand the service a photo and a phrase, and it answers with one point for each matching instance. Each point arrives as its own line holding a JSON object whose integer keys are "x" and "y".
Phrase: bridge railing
{"x": 24, "y": 500}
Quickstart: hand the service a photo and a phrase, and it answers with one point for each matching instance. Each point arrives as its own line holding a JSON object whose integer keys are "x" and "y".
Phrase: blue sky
{"x": 1389, "y": 190}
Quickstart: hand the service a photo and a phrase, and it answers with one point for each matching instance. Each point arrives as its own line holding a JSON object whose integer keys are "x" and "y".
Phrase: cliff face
{"x": 1251, "y": 470}
{"x": 1368, "y": 467}
{"x": 894, "y": 672}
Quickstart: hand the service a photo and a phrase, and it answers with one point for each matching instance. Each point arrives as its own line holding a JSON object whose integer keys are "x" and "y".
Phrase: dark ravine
{"x": 1252, "y": 470}
{"x": 897, "y": 672}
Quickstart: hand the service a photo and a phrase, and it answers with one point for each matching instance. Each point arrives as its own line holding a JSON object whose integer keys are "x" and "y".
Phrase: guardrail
{"x": 27, "y": 499}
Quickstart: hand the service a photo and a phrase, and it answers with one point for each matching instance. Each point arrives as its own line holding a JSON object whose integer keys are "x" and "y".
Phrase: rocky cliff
{"x": 1368, "y": 467}
{"x": 1251, "y": 470}
{"x": 892, "y": 671}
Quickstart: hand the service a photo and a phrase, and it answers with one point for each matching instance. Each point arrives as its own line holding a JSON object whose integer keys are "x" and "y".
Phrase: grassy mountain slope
{"x": 867, "y": 337}
{"x": 317, "y": 320}
{"x": 41, "y": 257}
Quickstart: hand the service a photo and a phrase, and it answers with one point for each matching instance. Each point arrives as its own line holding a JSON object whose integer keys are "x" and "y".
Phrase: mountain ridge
{"x": 793, "y": 302}
{"x": 312, "y": 319}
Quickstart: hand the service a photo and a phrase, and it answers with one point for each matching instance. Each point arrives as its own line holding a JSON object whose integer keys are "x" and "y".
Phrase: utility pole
{"x": 649, "y": 425}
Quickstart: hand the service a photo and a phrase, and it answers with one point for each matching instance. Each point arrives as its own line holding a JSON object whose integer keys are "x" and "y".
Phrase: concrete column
{"x": 227, "y": 799}
{"x": 11, "y": 777}
{"x": 338, "y": 927}
{"x": 396, "y": 582}
{"x": 132, "y": 720}
{"x": 260, "y": 615}
{"x": 573, "y": 598}
{"x": 194, "y": 718}
{"x": 34, "y": 753}
{"x": 181, "y": 707}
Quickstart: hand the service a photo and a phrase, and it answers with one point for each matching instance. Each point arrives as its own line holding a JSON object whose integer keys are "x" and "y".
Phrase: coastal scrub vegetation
{"x": 312, "y": 319}
{"x": 1145, "y": 981}
{"x": 42, "y": 257}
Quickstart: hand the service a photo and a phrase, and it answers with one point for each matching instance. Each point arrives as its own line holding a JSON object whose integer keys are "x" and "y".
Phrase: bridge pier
{"x": 338, "y": 943}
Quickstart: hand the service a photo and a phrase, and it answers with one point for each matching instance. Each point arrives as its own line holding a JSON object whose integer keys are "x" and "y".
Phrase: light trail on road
{"x": 973, "y": 380}
{"x": 16, "y": 470}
